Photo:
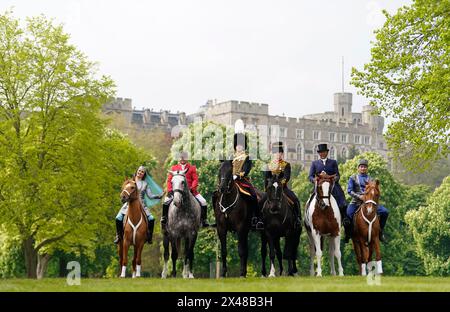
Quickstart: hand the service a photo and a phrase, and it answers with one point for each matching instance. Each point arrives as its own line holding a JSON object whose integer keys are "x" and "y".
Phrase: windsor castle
{"x": 341, "y": 128}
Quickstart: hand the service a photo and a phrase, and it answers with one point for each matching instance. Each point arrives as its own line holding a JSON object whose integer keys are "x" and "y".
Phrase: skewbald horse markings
{"x": 323, "y": 219}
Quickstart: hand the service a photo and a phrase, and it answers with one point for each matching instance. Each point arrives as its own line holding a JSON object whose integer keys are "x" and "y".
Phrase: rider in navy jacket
{"x": 330, "y": 167}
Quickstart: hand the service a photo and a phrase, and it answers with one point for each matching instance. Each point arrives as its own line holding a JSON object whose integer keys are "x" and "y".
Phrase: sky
{"x": 176, "y": 54}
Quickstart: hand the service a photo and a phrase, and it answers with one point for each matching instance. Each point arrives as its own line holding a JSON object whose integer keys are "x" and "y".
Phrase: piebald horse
{"x": 366, "y": 231}
{"x": 323, "y": 219}
{"x": 135, "y": 228}
{"x": 182, "y": 225}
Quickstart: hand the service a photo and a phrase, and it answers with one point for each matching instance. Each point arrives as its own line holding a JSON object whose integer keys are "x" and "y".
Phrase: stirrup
{"x": 259, "y": 226}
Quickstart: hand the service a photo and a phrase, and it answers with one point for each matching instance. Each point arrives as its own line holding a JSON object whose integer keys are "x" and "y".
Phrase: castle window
{"x": 332, "y": 152}
{"x": 283, "y": 132}
{"x": 332, "y": 137}
{"x": 342, "y": 112}
{"x": 299, "y": 134}
{"x": 344, "y": 137}
{"x": 344, "y": 152}
{"x": 357, "y": 139}
{"x": 316, "y": 135}
{"x": 367, "y": 140}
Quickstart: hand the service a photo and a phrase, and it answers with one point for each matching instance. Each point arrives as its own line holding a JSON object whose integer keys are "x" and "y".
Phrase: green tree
{"x": 430, "y": 227}
{"x": 407, "y": 79}
{"x": 61, "y": 169}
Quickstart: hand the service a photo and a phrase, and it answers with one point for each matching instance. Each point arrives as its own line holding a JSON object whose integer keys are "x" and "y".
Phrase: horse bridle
{"x": 128, "y": 193}
{"x": 320, "y": 198}
{"x": 179, "y": 190}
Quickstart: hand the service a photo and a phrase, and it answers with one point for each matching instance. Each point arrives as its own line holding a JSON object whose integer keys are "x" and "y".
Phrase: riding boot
{"x": 165, "y": 212}
{"x": 259, "y": 224}
{"x": 119, "y": 231}
{"x": 383, "y": 219}
{"x": 151, "y": 225}
{"x": 348, "y": 228}
{"x": 204, "y": 214}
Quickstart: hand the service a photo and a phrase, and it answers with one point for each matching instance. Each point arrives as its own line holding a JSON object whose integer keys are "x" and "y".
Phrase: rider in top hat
{"x": 143, "y": 189}
{"x": 241, "y": 169}
{"x": 356, "y": 187}
{"x": 281, "y": 167}
{"x": 328, "y": 166}
{"x": 192, "y": 181}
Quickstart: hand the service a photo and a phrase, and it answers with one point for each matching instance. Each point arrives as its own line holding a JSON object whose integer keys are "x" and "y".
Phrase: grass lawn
{"x": 252, "y": 284}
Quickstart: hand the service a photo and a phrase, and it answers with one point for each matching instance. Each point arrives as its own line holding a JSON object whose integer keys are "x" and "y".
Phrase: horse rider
{"x": 143, "y": 189}
{"x": 281, "y": 167}
{"x": 192, "y": 181}
{"x": 327, "y": 166}
{"x": 241, "y": 169}
{"x": 356, "y": 187}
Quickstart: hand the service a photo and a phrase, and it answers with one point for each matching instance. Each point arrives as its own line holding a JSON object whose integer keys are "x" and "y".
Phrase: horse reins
{"x": 224, "y": 209}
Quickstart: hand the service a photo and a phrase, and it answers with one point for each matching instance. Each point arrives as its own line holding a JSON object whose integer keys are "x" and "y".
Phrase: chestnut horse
{"x": 135, "y": 228}
{"x": 322, "y": 218}
{"x": 366, "y": 231}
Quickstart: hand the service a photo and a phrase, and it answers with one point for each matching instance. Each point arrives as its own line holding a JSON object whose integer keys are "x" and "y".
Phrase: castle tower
{"x": 343, "y": 106}
{"x": 375, "y": 122}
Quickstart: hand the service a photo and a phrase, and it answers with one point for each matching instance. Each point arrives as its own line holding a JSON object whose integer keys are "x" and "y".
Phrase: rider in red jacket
{"x": 192, "y": 181}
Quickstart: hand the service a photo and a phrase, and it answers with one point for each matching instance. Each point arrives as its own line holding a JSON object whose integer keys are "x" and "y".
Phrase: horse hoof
{"x": 191, "y": 275}
{"x": 271, "y": 275}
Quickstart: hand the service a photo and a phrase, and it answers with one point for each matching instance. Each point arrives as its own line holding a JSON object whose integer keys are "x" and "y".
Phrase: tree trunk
{"x": 30, "y": 257}
{"x": 42, "y": 265}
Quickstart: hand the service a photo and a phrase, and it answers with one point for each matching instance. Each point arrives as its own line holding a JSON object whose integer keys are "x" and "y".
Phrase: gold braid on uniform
{"x": 238, "y": 163}
{"x": 277, "y": 167}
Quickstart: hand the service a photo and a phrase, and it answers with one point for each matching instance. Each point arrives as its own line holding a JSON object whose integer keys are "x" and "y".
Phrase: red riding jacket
{"x": 191, "y": 177}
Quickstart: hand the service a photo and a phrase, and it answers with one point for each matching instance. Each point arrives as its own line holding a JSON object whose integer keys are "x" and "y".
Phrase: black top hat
{"x": 240, "y": 139}
{"x": 322, "y": 148}
{"x": 277, "y": 147}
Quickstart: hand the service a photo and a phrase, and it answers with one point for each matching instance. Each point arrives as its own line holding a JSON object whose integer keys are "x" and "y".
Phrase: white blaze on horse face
{"x": 275, "y": 185}
{"x": 326, "y": 192}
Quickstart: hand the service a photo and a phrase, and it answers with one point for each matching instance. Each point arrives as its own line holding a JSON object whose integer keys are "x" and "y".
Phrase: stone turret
{"x": 343, "y": 106}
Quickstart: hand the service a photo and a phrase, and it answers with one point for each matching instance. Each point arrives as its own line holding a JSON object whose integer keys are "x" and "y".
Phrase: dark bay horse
{"x": 323, "y": 219}
{"x": 279, "y": 220}
{"x": 233, "y": 213}
{"x": 135, "y": 228}
{"x": 182, "y": 225}
{"x": 366, "y": 231}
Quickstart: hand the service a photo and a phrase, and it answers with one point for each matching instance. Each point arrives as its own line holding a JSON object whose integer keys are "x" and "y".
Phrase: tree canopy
{"x": 407, "y": 79}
